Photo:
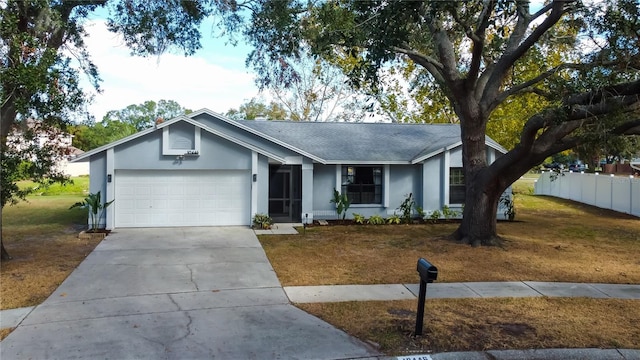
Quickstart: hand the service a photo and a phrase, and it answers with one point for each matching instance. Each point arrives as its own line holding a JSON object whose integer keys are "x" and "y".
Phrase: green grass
{"x": 525, "y": 184}
{"x": 78, "y": 186}
{"x": 41, "y": 214}
{"x": 48, "y": 209}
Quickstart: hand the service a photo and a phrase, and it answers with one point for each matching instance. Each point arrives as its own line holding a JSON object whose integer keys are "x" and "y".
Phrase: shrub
{"x": 96, "y": 208}
{"x": 405, "y": 208}
{"x": 509, "y": 206}
{"x": 448, "y": 213}
{"x": 434, "y": 216}
{"x": 376, "y": 220}
{"x": 358, "y": 219}
{"x": 342, "y": 203}
{"x": 262, "y": 221}
{"x": 394, "y": 219}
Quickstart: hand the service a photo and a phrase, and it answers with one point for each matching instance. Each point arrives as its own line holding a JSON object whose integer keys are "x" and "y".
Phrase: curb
{"x": 529, "y": 354}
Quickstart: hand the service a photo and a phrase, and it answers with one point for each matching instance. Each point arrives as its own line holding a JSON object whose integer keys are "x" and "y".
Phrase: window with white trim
{"x": 457, "y": 189}
{"x": 362, "y": 184}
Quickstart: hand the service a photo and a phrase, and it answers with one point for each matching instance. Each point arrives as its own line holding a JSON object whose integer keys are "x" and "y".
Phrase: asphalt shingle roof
{"x": 335, "y": 141}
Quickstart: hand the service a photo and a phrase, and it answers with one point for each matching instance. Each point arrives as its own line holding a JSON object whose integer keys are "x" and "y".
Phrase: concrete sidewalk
{"x": 531, "y": 354}
{"x": 338, "y": 293}
{"x": 280, "y": 229}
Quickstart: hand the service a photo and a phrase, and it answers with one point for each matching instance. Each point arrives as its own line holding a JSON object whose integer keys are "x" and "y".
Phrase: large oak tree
{"x": 478, "y": 55}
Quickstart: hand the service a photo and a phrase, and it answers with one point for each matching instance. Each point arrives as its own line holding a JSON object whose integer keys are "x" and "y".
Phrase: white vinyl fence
{"x": 619, "y": 193}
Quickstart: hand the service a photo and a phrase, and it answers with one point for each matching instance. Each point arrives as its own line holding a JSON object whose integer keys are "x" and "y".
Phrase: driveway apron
{"x": 176, "y": 293}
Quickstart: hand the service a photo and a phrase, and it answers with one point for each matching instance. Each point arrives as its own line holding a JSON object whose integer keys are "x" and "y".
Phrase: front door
{"x": 285, "y": 193}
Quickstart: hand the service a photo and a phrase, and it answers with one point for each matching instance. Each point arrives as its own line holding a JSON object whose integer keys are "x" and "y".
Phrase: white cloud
{"x": 194, "y": 82}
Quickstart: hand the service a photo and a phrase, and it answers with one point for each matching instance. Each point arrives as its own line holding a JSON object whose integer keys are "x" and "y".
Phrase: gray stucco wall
{"x": 307, "y": 190}
{"x": 324, "y": 181}
{"x": 403, "y": 179}
{"x": 263, "y": 185}
{"x": 456, "y": 157}
{"x": 432, "y": 187}
{"x": 98, "y": 180}
{"x": 145, "y": 153}
{"x": 98, "y": 171}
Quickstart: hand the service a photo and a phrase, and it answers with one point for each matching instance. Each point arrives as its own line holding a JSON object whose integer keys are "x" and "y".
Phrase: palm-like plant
{"x": 96, "y": 208}
{"x": 342, "y": 203}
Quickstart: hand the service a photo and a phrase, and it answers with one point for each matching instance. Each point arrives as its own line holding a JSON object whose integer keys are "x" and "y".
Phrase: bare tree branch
{"x": 516, "y": 49}
{"x": 417, "y": 54}
{"x": 629, "y": 128}
{"x": 446, "y": 52}
{"x": 547, "y": 74}
{"x": 624, "y": 89}
{"x": 432, "y": 65}
{"x": 478, "y": 41}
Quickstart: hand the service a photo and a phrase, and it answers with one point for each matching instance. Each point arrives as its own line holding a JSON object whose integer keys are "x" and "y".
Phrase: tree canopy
{"x": 143, "y": 116}
{"x": 117, "y": 124}
{"x": 257, "y": 108}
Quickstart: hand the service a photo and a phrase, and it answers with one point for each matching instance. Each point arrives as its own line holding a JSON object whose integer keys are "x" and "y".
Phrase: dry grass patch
{"x": 481, "y": 324}
{"x": 5, "y": 332}
{"x": 567, "y": 240}
{"x": 41, "y": 236}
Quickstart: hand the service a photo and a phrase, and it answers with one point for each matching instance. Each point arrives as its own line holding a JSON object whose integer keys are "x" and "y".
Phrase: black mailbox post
{"x": 428, "y": 274}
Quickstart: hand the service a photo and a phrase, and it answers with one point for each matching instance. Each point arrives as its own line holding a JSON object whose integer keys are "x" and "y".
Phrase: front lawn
{"x": 483, "y": 324}
{"x": 41, "y": 235}
{"x": 552, "y": 240}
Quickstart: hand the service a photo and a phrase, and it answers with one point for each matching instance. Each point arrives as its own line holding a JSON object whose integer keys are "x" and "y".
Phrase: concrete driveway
{"x": 176, "y": 293}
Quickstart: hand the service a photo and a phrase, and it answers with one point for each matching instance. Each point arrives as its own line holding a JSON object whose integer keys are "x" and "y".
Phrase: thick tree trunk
{"x": 4, "y": 255}
{"x": 483, "y": 190}
{"x": 478, "y": 225}
{"x": 7, "y": 118}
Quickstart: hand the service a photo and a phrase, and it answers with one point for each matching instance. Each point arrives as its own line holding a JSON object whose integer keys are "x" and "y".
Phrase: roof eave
{"x": 368, "y": 162}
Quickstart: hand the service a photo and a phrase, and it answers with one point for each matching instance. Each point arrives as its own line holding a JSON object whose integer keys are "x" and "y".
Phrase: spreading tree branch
{"x": 429, "y": 63}
{"x": 477, "y": 38}
{"x": 631, "y": 127}
{"x": 558, "y": 125}
{"x": 517, "y": 46}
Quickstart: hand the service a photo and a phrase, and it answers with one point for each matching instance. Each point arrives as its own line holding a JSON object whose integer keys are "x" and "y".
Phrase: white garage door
{"x": 149, "y": 198}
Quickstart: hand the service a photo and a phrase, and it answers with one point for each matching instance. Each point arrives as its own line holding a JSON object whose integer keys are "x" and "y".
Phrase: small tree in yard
{"x": 342, "y": 203}
{"x": 406, "y": 207}
{"x": 96, "y": 209}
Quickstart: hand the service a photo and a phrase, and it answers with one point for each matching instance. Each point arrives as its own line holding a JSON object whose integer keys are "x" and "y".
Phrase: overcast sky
{"x": 214, "y": 77}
